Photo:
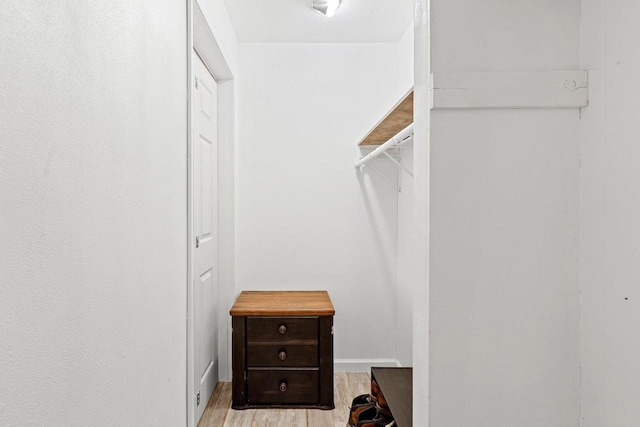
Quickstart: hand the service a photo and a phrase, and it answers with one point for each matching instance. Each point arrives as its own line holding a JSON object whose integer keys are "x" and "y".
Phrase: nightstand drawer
{"x": 276, "y": 355}
{"x": 292, "y": 330}
{"x": 282, "y": 386}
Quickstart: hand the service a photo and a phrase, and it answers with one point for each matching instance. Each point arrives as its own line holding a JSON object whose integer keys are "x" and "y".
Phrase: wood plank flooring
{"x": 347, "y": 385}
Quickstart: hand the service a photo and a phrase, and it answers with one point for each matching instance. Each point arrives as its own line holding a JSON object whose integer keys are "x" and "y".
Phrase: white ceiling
{"x": 294, "y": 21}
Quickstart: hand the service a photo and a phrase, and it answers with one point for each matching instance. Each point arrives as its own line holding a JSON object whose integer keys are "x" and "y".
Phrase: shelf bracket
{"x": 381, "y": 175}
{"x": 397, "y": 163}
{"x": 394, "y": 142}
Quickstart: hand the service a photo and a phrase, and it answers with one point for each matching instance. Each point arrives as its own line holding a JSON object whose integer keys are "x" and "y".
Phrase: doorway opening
{"x": 210, "y": 214}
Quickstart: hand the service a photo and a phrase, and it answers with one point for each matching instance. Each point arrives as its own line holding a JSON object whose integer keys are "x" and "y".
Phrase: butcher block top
{"x": 283, "y": 303}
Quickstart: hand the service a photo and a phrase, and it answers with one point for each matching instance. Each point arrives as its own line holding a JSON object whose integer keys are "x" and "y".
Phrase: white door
{"x": 205, "y": 229}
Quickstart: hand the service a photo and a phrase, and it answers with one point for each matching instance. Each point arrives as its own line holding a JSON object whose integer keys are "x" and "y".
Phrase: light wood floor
{"x": 346, "y": 386}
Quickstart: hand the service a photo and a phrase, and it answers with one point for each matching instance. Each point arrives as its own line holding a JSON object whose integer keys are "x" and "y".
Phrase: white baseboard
{"x": 363, "y": 365}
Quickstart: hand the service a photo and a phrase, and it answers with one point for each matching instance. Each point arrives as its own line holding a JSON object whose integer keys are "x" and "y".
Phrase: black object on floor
{"x": 360, "y": 404}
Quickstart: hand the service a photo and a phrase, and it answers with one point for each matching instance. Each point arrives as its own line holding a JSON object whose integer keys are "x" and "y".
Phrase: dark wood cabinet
{"x": 283, "y": 350}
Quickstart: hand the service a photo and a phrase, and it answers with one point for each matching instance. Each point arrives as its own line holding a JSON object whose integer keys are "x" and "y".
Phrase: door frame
{"x": 422, "y": 206}
{"x": 202, "y": 43}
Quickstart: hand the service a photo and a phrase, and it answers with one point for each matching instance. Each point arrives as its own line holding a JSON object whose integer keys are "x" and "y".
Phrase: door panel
{"x": 204, "y": 300}
{"x": 205, "y": 228}
{"x": 206, "y": 194}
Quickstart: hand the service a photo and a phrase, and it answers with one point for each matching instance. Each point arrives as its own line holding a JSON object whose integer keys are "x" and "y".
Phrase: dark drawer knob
{"x": 283, "y": 386}
{"x": 282, "y": 329}
{"x": 282, "y": 355}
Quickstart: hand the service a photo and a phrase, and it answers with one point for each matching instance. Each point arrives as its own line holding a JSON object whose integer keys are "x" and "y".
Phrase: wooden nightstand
{"x": 283, "y": 350}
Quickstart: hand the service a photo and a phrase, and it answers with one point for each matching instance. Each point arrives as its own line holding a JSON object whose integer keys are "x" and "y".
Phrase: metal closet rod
{"x": 395, "y": 141}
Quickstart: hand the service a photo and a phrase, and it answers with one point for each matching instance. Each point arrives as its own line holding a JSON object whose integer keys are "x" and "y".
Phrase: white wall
{"x": 406, "y": 260}
{"x": 504, "y": 297}
{"x": 93, "y": 213}
{"x": 306, "y": 219}
{"x": 405, "y": 59}
{"x": 406, "y": 225}
{"x": 610, "y": 208}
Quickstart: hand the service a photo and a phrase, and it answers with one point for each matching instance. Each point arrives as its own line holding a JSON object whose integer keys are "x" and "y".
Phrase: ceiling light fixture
{"x": 328, "y": 7}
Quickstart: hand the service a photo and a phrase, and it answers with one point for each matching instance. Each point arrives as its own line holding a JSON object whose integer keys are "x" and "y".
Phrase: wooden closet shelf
{"x": 398, "y": 118}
